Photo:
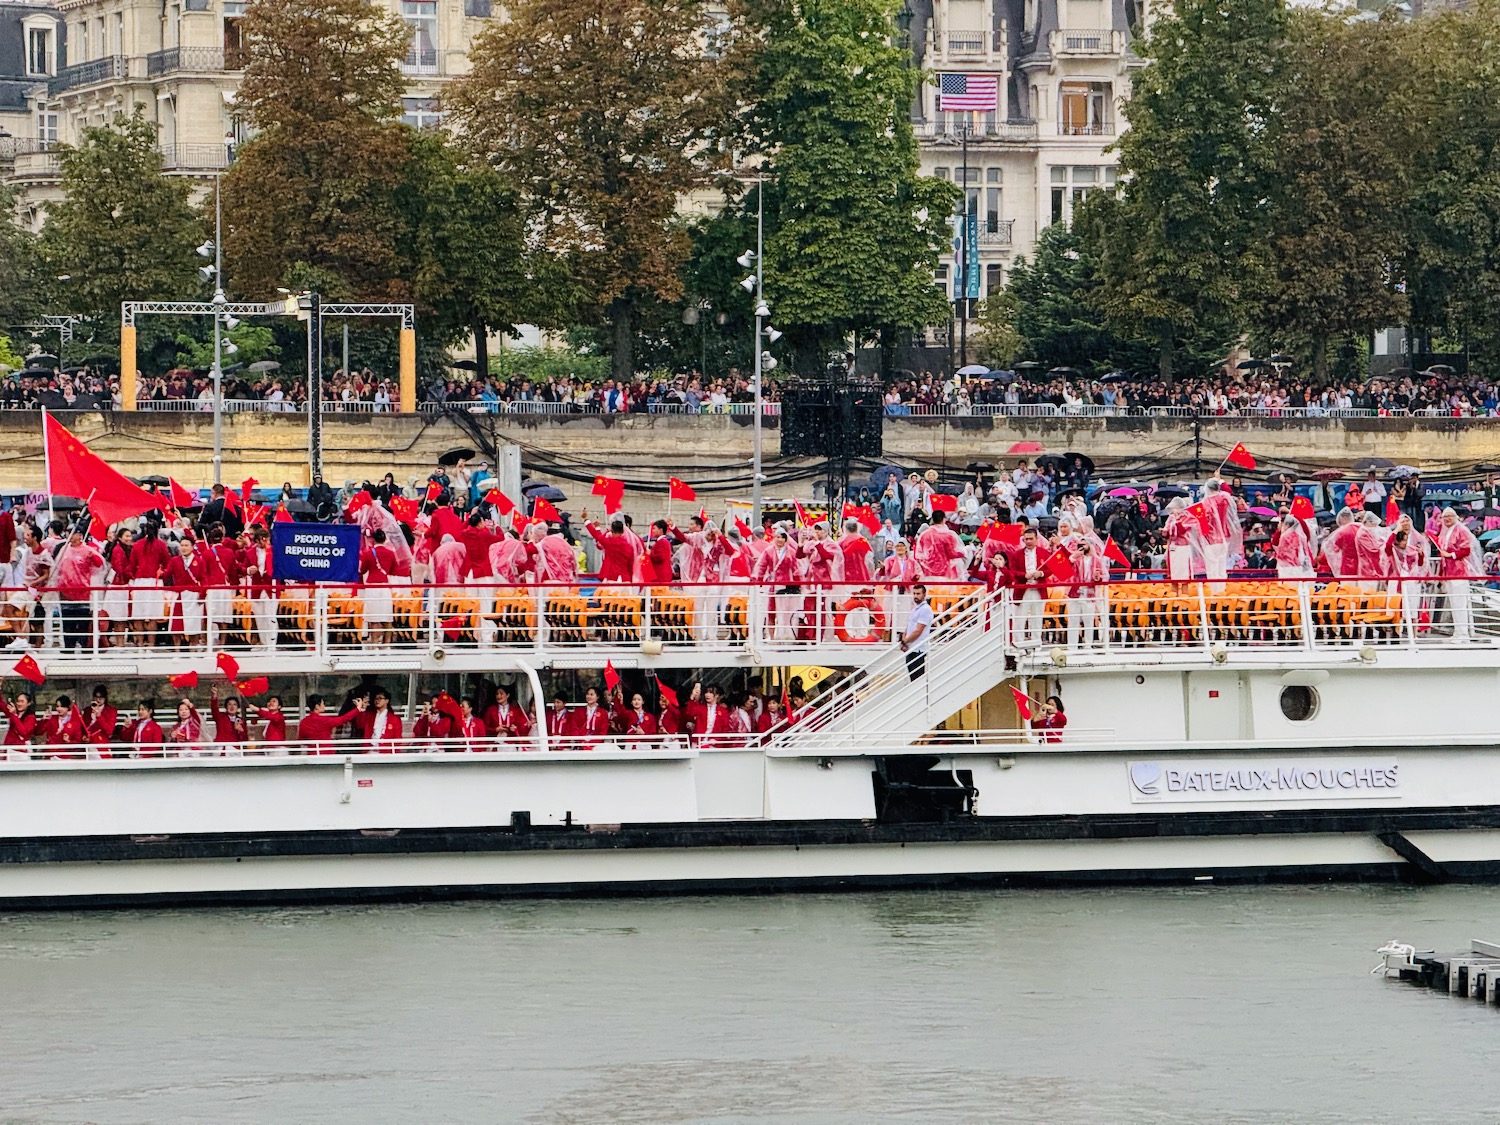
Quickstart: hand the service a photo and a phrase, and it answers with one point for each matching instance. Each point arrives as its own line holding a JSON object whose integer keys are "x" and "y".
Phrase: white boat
{"x": 1255, "y": 731}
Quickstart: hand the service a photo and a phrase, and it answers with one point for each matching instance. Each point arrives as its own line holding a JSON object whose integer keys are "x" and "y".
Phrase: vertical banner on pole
{"x": 408, "y": 371}
{"x": 127, "y": 367}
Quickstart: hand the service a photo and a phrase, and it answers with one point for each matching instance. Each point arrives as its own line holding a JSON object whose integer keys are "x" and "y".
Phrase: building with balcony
{"x": 80, "y": 63}
{"x": 1061, "y": 69}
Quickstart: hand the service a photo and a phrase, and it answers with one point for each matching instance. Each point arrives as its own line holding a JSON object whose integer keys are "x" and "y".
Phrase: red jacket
{"x": 516, "y": 723}
{"x": 583, "y": 725}
{"x": 227, "y": 729}
{"x": 179, "y": 575}
{"x": 626, "y": 721}
{"x": 477, "y": 542}
{"x": 144, "y": 732}
{"x": 319, "y": 728}
{"x": 102, "y": 728}
{"x": 364, "y": 722}
{"x": 275, "y": 724}
{"x": 618, "y": 563}
{"x": 262, "y": 579}
{"x": 435, "y": 727}
{"x": 148, "y": 558}
{"x": 658, "y": 565}
{"x": 720, "y": 723}
{"x": 21, "y": 727}
{"x": 777, "y": 566}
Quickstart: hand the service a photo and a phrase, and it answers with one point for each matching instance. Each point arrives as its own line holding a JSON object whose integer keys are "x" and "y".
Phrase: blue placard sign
{"x": 315, "y": 552}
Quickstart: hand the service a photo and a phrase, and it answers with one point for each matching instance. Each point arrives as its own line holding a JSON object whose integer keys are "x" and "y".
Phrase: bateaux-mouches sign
{"x": 315, "y": 552}
{"x": 1293, "y": 779}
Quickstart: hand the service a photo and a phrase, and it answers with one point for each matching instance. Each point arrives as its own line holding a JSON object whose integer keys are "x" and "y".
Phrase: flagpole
{"x": 47, "y": 465}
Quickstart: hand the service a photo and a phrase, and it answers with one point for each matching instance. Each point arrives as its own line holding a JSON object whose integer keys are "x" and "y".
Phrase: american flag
{"x": 968, "y": 92}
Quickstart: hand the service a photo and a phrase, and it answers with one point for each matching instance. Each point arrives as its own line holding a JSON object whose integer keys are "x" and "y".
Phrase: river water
{"x": 1208, "y": 1004}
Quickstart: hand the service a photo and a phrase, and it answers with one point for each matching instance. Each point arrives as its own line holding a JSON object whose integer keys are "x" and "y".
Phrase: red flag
{"x": 1059, "y": 567}
{"x": 668, "y": 696}
{"x": 1302, "y": 508}
{"x": 742, "y": 527}
{"x": 359, "y": 501}
{"x": 680, "y": 490}
{"x": 942, "y": 503}
{"x": 1240, "y": 458}
{"x": 803, "y": 518}
{"x": 247, "y": 486}
{"x": 702, "y": 515}
{"x": 229, "y": 666}
{"x": 74, "y": 470}
{"x": 256, "y": 686}
{"x": 453, "y": 627}
{"x": 282, "y": 515}
{"x": 254, "y": 514}
{"x": 434, "y": 490}
{"x": 28, "y": 669}
{"x": 519, "y": 521}
{"x": 1198, "y": 511}
{"x": 232, "y": 501}
{"x": 613, "y": 501}
{"x": 864, "y": 514}
{"x": 501, "y": 502}
{"x": 545, "y": 510}
{"x": 1009, "y": 534}
{"x": 1023, "y": 703}
{"x": 181, "y": 497}
{"x": 604, "y": 486}
{"x": 1392, "y": 511}
{"x": 446, "y": 704}
{"x": 1113, "y": 553}
{"x": 185, "y": 680}
{"x": 611, "y": 677}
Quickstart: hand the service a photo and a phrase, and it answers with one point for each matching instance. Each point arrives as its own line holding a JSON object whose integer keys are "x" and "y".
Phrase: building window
{"x": 39, "y": 50}
{"x": 940, "y": 173}
{"x": 479, "y": 9}
{"x": 46, "y": 127}
{"x": 421, "y": 18}
{"x": 421, "y": 113}
{"x": 1084, "y": 110}
{"x": 994, "y": 278}
{"x": 1071, "y": 185}
{"x": 991, "y": 210}
{"x": 994, "y": 175}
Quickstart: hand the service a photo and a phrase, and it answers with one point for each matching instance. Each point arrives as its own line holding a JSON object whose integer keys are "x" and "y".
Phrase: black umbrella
{"x": 1487, "y": 467}
{"x": 1282, "y": 359}
{"x": 1088, "y": 462}
{"x": 66, "y": 504}
{"x": 298, "y": 507}
{"x": 465, "y": 364}
{"x": 1367, "y": 463}
{"x": 71, "y": 370}
{"x": 1116, "y": 377}
{"x": 1066, "y": 372}
{"x": 41, "y": 359}
{"x": 1046, "y": 523}
{"x": 454, "y": 456}
{"x": 547, "y": 492}
{"x": 1029, "y": 365}
{"x": 1487, "y": 512}
{"x": 1053, "y": 459}
{"x": 1251, "y": 365}
{"x": 161, "y": 481}
{"x": 1001, "y": 376}
{"x": 530, "y": 486}
{"x": 1326, "y": 519}
{"x": 881, "y": 478}
{"x": 1169, "y": 491}
{"x": 979, "y": 467}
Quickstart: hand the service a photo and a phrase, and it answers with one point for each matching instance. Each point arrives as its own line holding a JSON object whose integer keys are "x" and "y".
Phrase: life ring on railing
{"x": 878, "y": 621}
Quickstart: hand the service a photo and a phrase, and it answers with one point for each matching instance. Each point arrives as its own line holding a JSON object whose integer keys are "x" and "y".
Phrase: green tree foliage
{"x": 316, "y": 185}
{"x": 1050, "y": 306}
{"x": 853, "y": 231}
{"x": 122, "y": 231}
{"x": 20, "y": 266}
{"x": 254, "y": 341}
{"x": 1183, "y": 244}
{"x": 605, "y": 113}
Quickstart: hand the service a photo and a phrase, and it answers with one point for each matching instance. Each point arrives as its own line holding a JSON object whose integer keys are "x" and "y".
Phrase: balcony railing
{"x": 184, "y": 158}
{"x": 983, "y": 130}
{"x": 1094, "y": 41}
{"x": 108, "y": 69}
{"x": 1097, "y": 129}
{"x": 997, "y": 233}
{"x": 12, "y": 147}
{"x": 966, "y": 42}
{"x": 420, "y": 61}
{"x": 189, "y": 58}
{"x": 36, "y": 167}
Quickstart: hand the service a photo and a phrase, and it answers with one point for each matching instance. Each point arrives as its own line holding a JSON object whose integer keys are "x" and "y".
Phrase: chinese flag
{"x": 942, "y": 503}
{"x": 1113, "y": 553}
{"x": 360, "y": 500}
{"x": 1023, "y": 703}
{"x": 1059, "y": 567}
{"x": 603, "y": 486}
{"x": 28, "y": 669}
{"x": 501, "y": 502}
{"x": 1302, "y": 508}
{"x": 864, "y": 514}
{"x": 611, "y": 677}
{"x": 703, "y": 515}
{"x": 1392, "y": 512}
{"x": 447, "y": 705}
{"x": 282, "y": 515}
{"x": 680, "y": 490}
{"x": 519, "y": 521}
{"x": 181, "y": 497}
{"x": 545, "y": 510}
{"x": 247, "y": 486}
{"x": 74, "y": 470}
{"x": 1198, "y": 511}
{"x": 257, "y": 686}
{"x": 434, "y": 490}
{"x": 803, "y": 519}
{"x": 742, "y": 527}
{"x": 1240, "y": 457}
{"x": 668, "y": 696}
{"x": 613, "y": 501}
{"x": 185, "y": 680}
{"x": 1008, "y": 534}
{"x": 229, "y": 666}
{"x": 254, "y": 514}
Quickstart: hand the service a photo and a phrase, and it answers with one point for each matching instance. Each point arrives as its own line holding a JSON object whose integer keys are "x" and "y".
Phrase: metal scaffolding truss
{"x": 129, "y": 310}
{"x": 407, "y": 313}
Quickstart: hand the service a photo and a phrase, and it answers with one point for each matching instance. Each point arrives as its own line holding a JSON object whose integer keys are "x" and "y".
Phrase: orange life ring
{"x": 877, "y": 621}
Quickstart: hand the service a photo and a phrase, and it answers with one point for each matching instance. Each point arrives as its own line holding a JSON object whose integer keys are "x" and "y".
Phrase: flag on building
{"x": 968, "y": 92}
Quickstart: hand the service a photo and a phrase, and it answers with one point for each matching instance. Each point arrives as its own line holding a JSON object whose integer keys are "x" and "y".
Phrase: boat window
{"x": 1299, "y": 703}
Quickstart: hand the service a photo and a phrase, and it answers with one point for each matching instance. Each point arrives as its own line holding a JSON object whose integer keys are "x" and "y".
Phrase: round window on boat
{"x": 1299, "y": 703}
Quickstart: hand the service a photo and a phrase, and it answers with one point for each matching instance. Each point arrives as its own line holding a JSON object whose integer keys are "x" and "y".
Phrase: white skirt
{"x": 147, "y": 602}
{"x": 220, "y": 603}
{"x": 377, "y": 605}
{"x": 114, "y": 603}
{"x": 192, "y": 612}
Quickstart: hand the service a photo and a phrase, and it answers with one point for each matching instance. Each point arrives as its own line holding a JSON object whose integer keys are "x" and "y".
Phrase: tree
{"x": 1051, "y": 309}
{"x": 1180, "y": 248}
{"x": 316, "y": 184}
{"x": 854, "y": 231}
{"x": 604, "y": 113}
{"x": 1343, "y": 143}
{"x": 20, "y": 266}
{"x": 122, "y": 231}
{"x": 463, "y": 245}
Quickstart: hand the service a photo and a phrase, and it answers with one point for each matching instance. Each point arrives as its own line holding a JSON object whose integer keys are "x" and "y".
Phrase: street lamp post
{"x": 756, "y": 284}
{"x": 222, "y": 320}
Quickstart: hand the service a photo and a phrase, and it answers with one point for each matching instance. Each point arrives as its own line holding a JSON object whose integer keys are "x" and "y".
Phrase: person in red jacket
{"x": 222, "y": 572}
{"x": 379, "y": 727}
{"x": 713, "y": 720}
{"x": 144, "y": 733}
{"x": 100, "y": 720}
{"x": 618, "y": 563}
{"x": 230, "y": 728}
{"x": 779, "y": 568}
{"x": 692, "y": 710}
{"x": 114, "y": 604}
{"x": 589, "y": 723}
{"x": 62, "y": 730}
{"x": 376, "y": 564}
{"x": 634, "y": 720}
{"x": 556, "y": 718}
{"x": 148, "y": 561}
{"x": 504, "y": 719}
{"x": 21, "y": 713}
{"x": 772, "y": 720}
{"x": 261, "y": 586}
{"x": 469, "y": 727}
{"x": 275, "y": 719}
{"x": 432, "y": 724}
{"x": 656, "y": 568}
{"x": 317, "y": 726}
{"x": 182, "y": 574}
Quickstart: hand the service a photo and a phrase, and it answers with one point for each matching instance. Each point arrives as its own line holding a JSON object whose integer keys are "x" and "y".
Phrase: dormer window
{"x": 40, "y": 60}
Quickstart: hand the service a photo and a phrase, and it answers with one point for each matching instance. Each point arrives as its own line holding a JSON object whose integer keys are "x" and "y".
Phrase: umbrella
{"x": 1326, "y": 518}
{"x": 70, "y": 370}
{"x": 971, "y": 369}
{"x": 298, "y": 507}
{"x": 1278, "y": 358}
{"x": 1439, "y": 367}
{"x": 66, "y": 503}
{"x": 1053, "y": 459}
{"x": 465, "y": 365}
{"x": 1258, "y": 537}
{"x": 1364, "y": 464}
{"x": 1001, "y": 376}
{"x": 265, "y": 365}
{"x": 1047, "y": 523}
{"x": 547, "y": 492}
{"x": 1026, "y": 447}
{"x": 1328, "y": 474}
{"x": 1262, "y": 513}
{"x": 881, "y": 478}
{"x": 1169, "y": 491}
{"x": 1029, "y": 365}
{"x": 528, "y": 487}
{"x": 1088, "y": 462}
{"x": 454, "y": 456}
{"x": 1490, "y": 537}
{"x": 1116, "y": 377}
{"x": 1401, "y": 472}
{"x": 159, "y": 481}
{"x": 1124, "y": 492}
{"x": 1066, "y": 372}
{"x": 979, "y": 467}
{"x": 41, "y": 359}
{"x": 1251, "y": 365}
{"x": 1487, "y": 512}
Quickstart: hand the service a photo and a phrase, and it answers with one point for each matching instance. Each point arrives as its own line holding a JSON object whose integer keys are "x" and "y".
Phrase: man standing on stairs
{"x": 916, "y": 637}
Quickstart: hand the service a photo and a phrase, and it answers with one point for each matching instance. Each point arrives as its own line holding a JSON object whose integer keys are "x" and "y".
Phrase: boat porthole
{"x": 1299, "y": 703}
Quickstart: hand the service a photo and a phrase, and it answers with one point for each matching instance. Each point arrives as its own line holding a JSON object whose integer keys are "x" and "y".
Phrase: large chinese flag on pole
{"x": 72, "y": 470}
